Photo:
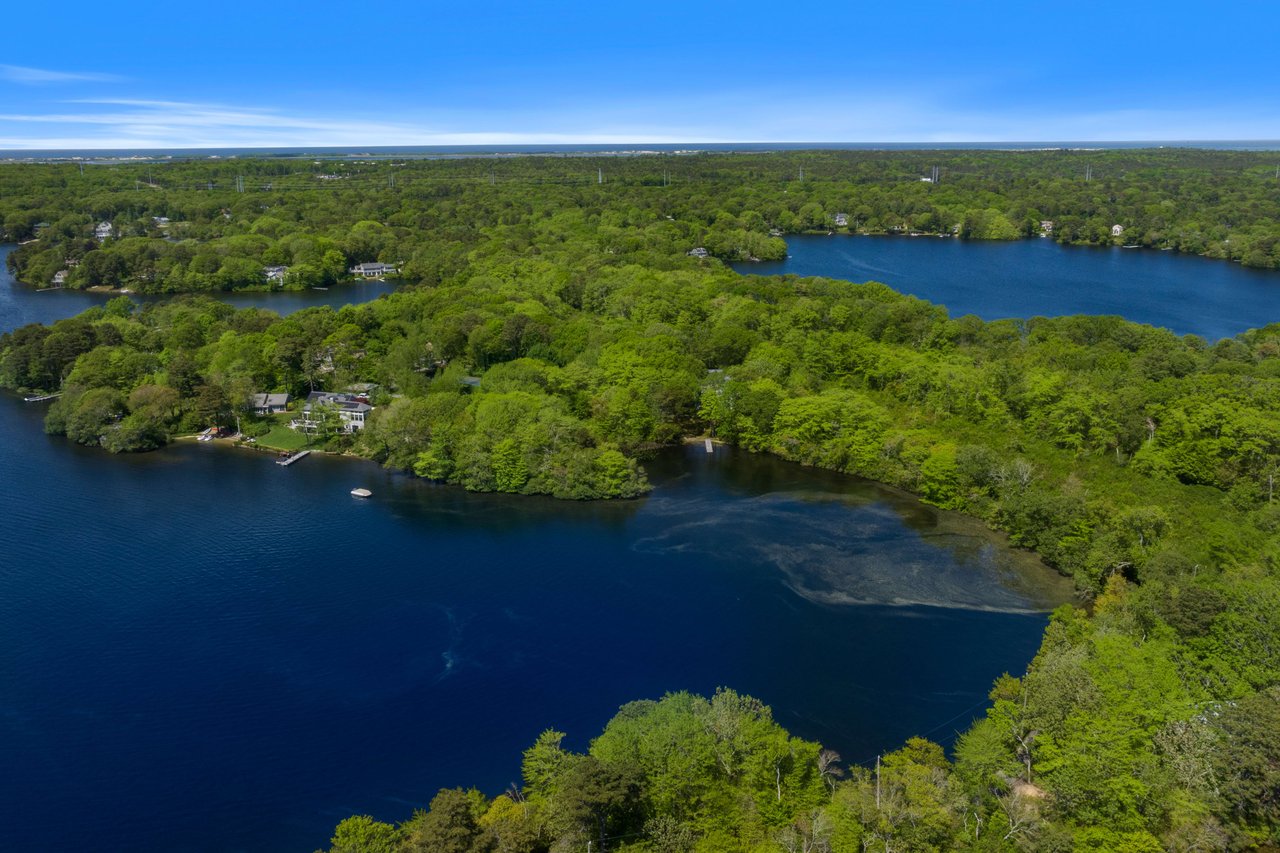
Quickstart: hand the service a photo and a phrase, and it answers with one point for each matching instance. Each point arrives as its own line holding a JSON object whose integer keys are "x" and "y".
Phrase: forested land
{"x": 215, "y": 224}
{"x": 1141, "y": 463}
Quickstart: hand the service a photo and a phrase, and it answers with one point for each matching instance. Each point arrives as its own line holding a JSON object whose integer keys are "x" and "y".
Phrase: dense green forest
{"x": 1141, "y": 463}
{"x": 216, "y": 224}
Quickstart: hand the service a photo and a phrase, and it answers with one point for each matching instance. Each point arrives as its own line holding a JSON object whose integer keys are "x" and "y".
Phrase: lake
{"x": 201, "y": 650}
{"x": 1027, "y": 278}
{"x": 229, "y": 655}
{"x": 21, "y": 304}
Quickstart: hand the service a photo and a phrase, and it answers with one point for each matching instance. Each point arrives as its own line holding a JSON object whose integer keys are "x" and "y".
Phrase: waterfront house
{"x": 699, "y": 253}
{"x": 373, "y": 270}
{"x": 60, "y": 278}
{"x": 275, "y": 274}
{"x": 1046, "y": 226}
{"x": 1117, "y": 230}
{"x": 351, "y": 411}
{"x": 269, "y": 404}
{"x": 842, "y": 220}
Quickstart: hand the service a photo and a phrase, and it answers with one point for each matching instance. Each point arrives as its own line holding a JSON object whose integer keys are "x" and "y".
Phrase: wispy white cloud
{"x": 144, "y": 123}
{"x": 722, "y": 117}
{"x": 39, "y": 76}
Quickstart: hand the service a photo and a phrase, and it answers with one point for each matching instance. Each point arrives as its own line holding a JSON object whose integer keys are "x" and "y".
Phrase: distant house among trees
{"x": 842, "y": 220}
{"x": 373, "y": 270}
{"x": 275, "y": 273}
{"x": 103, "y": 231}
{"x": 699, "y": 253}
{"x": 1117, "y": 230}
{"x": 269, "y": 404}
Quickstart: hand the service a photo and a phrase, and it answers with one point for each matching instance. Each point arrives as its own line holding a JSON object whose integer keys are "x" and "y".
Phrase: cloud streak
{"x": 40, "y": 76}
{"x": 721, "y": 117}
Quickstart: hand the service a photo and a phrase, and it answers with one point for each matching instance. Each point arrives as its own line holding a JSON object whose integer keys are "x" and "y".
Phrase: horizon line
{"x": 641, "y": 145}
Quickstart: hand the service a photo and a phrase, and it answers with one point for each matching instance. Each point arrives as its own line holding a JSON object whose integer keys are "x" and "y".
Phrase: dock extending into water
{"x": 40, "y": 398}
{"x": 289, "y": 460}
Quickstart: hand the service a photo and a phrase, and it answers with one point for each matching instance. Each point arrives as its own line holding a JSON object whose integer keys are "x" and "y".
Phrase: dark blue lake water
{"x": 201, "y": 650}
{"x": 20, "y": 304}
{"x": 1028, "y": 278}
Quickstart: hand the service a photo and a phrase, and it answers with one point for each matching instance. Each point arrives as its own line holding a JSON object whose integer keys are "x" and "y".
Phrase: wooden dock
{"x": 289, "y": 460}
{"x": 710, "y": 447}
{"x": 40, "y": 398}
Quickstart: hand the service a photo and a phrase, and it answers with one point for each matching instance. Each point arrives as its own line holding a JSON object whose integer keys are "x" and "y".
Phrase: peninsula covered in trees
{"x": 553, "y": 329}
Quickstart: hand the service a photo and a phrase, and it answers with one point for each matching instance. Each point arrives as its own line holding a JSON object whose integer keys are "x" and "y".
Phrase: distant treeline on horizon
{"x": 600, "y": 149}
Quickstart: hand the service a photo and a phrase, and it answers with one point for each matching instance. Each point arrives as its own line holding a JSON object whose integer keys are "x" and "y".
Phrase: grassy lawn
{"x": 283, "y": 438}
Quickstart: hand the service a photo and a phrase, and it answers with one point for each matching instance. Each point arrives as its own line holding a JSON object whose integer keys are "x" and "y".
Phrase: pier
{"x": 289, "y": 460}
{"x": 40, "y": 398}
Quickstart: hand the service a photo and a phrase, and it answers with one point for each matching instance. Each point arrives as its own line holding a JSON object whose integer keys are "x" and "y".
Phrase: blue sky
{"x": 77, "y": 75}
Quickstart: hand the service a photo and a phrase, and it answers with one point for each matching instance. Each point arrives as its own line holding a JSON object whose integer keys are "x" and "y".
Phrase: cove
{"x": 201, "y": 650}
{"x": 1028, "y": 278}
{"x": 21, "y": 304}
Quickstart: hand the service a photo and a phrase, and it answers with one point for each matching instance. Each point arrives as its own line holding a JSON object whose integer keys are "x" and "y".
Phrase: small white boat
{"x": 361, "y": 493}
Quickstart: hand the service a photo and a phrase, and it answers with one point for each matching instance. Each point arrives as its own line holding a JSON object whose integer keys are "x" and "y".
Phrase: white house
{"x": 699, "y": 253}
{"x": 1117, "y": 230}
{"x": 60, "y": 278}
{"x": 373, "y": 270}
{"x": 275, "y": 273}
{"x": 103, "y": 231}
{"x": 842, "y": 220}
{"x": 352, "y": 412}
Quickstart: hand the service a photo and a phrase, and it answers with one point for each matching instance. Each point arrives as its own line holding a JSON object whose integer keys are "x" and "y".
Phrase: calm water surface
{"x": 1028, "y": 278}
{"x": 21, "y": 304}
{"x": 201, "y": 650}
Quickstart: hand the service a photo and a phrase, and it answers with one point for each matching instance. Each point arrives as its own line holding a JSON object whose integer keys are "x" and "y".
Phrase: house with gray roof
{"x": 373, "y": 270}
{"x": 352, "y": 411}
{"x": 269, "y": 404}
